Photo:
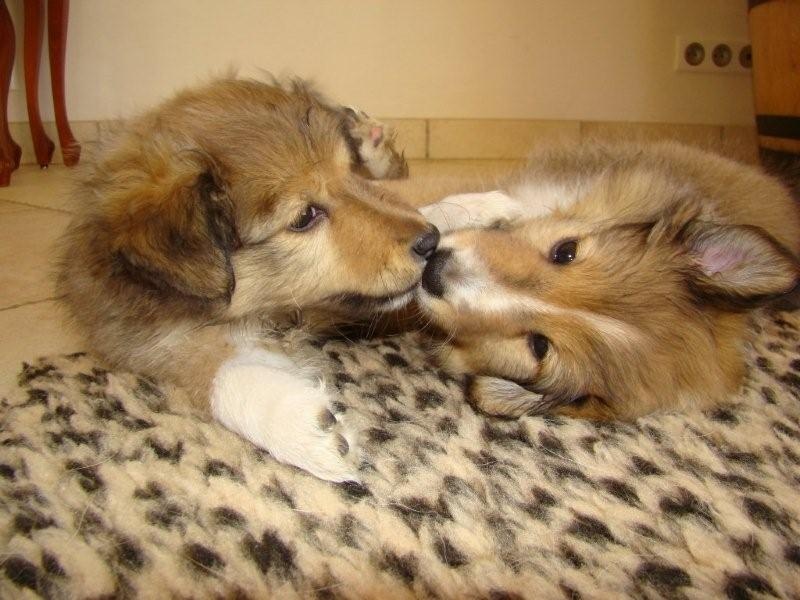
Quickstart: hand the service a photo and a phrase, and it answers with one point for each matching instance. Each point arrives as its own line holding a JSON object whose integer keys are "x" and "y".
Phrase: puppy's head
{"x": 239, "y": 195}
{"x": 601, "y": 319}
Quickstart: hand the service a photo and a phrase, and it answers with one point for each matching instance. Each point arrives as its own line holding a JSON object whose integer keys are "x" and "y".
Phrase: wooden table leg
{"x": 10, "y": 152}
{"x": 57, "y": 14}
{"x": 34, "y": 31}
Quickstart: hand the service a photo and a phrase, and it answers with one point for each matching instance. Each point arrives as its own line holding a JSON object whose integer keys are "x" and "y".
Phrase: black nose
{"x": 426, "y": 243}
{"x": 432, "y": 275}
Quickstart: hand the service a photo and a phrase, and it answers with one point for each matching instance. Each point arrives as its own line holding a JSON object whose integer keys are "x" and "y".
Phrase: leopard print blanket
{"x": 108, "y": 490}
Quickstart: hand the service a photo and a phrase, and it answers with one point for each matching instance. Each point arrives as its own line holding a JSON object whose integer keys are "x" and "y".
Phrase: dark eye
{"x": 564, "y": 252}
{"x": 539, "y": 344}
{"x": 310, "y": 217}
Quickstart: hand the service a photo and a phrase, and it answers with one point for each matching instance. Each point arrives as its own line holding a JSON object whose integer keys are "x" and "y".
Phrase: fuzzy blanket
{"x": 109, "y": 490}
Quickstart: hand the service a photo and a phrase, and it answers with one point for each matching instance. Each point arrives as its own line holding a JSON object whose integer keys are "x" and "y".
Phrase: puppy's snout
{"x": 432, "y": 281}
{"x": 425, "y": 245}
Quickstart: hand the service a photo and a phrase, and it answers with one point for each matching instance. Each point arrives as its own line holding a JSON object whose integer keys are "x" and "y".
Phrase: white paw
{"x": 265, "y": 398}
{"x": 472, "y": 210}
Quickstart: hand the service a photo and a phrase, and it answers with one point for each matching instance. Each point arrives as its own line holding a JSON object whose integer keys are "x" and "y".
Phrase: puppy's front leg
{"x": 482, "y": 209}
{"x": 268, "y": 399}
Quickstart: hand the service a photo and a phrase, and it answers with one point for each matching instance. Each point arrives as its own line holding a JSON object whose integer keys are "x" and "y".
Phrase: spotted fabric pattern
{"x": 109, "y": 489}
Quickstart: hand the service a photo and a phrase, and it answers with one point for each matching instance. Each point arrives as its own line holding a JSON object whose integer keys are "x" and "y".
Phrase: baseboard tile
{"x": 487, "y": 138}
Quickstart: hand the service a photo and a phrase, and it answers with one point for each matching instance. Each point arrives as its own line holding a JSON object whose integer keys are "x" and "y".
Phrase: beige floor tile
{"x": 26, "y": 254}
{"x": 488, "y": 138}
{"x": 703, "y": 136}
{"x": 10, "y": 207}
{"x": 29, "y": 332}
{"x": 47, "y": 188}
{"x": 741, "y": 143}
{"x": 411, "y": 136}
{"x": 84, "y": 132}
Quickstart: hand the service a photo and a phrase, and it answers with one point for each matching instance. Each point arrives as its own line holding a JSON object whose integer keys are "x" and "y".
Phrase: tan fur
{"x": 183, "y": 231}
{"x": 642, "y": 319}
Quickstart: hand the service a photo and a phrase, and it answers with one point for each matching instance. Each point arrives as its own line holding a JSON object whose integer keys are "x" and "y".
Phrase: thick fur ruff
{"x": 107, "y": 489}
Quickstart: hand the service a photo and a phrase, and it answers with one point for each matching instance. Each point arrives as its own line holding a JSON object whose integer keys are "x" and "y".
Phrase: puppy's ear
{"x": 737, "y": 267}
{"x": 175, "y": 230}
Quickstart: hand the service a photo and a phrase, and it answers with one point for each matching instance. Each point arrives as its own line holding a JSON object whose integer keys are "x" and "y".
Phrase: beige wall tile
{"x": 84, "y": 131}
{"x": 485, "y": 138}
{"x": 411, "y": 136}
{"x": 431, "y": 180}
{"x": 467, "y": 168}
{"x": 741, "y": 143}
{"x": 489, "y": 138}
{"x": 703, "y": 136}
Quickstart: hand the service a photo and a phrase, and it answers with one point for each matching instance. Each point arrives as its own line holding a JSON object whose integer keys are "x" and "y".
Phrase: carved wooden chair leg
{"x": 57, "y": 14}
{"x": 34, "y": 31}
{"x": 10, "y": 152}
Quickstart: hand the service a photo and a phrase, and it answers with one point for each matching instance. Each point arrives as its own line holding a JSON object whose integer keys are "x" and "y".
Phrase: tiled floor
{"x": 34, "y": 211}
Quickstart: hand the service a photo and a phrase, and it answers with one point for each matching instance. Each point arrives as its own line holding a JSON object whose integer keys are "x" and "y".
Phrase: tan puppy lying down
{"x": 608, "y": 281}
{"x": 207, "y": 223}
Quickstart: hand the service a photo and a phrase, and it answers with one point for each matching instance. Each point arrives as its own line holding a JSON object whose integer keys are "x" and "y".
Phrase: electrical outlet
{"x": 704, "y": 55}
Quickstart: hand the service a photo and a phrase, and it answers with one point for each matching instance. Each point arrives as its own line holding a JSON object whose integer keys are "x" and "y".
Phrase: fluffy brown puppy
{"x": 211, "y": 220}
{"x": 609, "y": 281}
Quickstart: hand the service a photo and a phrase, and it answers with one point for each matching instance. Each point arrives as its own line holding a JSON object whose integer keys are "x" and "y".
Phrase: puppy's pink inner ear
{"x": 740, "y": 264}
{"x": 376, "y": 135}
{"x": 714, "y": 260}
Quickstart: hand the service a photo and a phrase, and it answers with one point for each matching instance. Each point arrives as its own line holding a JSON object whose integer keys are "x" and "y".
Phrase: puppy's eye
{"x": 539, "y": 345}
{"x": 564, "y": 252}
{"x": 309, "y": 217}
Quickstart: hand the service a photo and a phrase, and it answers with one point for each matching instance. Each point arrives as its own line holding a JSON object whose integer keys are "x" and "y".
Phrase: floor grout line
{"x": 29, "y": 303}
{"x": 28, "y": 205}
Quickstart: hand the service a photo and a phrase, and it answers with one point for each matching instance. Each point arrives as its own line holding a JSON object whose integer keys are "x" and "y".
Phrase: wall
{"x": 601, "y": 60}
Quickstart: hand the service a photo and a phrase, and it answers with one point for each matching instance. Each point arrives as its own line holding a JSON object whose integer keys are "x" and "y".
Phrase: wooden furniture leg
{"x": 10, "y": 152}
{"x": 57, "y": 14}
{"x": 34, "y": 31}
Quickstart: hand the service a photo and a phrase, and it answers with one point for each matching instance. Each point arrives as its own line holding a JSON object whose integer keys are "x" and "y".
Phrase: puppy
{"x": 220, "y": 216}
{"x": 607, "y": 282}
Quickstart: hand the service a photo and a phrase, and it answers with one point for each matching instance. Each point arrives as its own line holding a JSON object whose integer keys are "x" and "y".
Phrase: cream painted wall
{"x": 537, "y": 59}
